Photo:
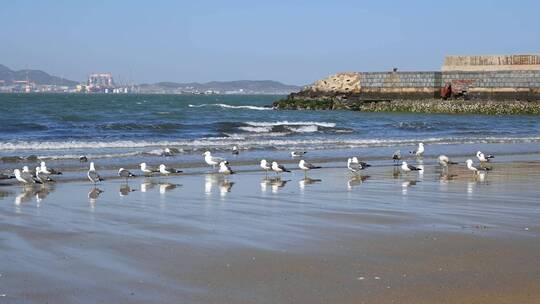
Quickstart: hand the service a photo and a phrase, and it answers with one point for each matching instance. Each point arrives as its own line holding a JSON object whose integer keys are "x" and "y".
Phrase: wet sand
{"x": 384, "y": 237}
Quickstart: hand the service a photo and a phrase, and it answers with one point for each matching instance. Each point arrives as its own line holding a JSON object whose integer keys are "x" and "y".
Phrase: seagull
{"x": 355, "y": 160}
{"x": 298, "y": 153}
{"x": 211, "y": 160}
{"x": 470, "y": 166}
{"x": 42, "y": 176}
{"x": 125, "y": 174}
{"x": 92, "y": 174}
{"x": 146, "y": 170}
{"x": 83, "y": 158}
{"x": 265, "y": 166}
{"x": 305, "y": 166}
{"x": 168, "y": 171}
{"x": 6, "y": 176}
{"x": 483, "y": 158}
{"x": 355, "y": 166}
{"x": 278, "y": 168}
{"x": 167, "y": 152}
{"x": 25, "y": 178}
{"x": 420, "y": 150}
{"x": 224, "y": 168}
{"x": 235, "y": 150}
{"x": 49, "y": 171}
{"x": 408, "y": 168}
{"x": 396, "y": 156}
{"x": 445, "y": 161}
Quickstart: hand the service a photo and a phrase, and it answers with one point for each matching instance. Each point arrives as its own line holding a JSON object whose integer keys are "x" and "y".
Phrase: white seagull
{"x": 125, "y": 174}
{"x": 146, "y": 170}
{"x": 235, "y": 150}
{"x": 27, "y": 175}
{"x": 396, "y": 156}
{"x": 445, "y": 161}
{"x": 278, "y": 168}
{"x": 298, "y": 153}
{"x": 6, "y": 176}
{"x": 42, "y": 177}
{"x": 24, "y": 178}
{"x": 355, "y": 166}
{"x": 471, "y": 167}
{"x": 265, "y": 166}
{"x": 92, "y": 174}
{"x": 305, "y": 166}
{"x": 224, "y": 168}
{"x": 167, "y": 152}
{"x": 211, "y": 160}
{"x": 168, "y": 171}
{"x": 49, "y": 171}
{"x": 408, "y": 168}
{"x": 420, "y": 150}
{"x": 484, "y": 158}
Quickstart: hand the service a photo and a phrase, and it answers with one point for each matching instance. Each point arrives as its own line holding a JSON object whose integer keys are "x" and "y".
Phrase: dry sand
{"x": 384, "y": 238}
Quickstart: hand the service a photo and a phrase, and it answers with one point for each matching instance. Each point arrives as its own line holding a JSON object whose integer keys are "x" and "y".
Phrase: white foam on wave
{"x": 290, "y": 123}
{"x": 226, "y": 106}
{"x": 249, "y": 142}
{"x": 256, "y": 129}
{"x": 304, "y": 129}
{"x": 67, "y": 145}
{"x": 91, "y": 156}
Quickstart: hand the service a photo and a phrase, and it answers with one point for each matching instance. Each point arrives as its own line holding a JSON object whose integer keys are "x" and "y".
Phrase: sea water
{"x": 126, "y": 129}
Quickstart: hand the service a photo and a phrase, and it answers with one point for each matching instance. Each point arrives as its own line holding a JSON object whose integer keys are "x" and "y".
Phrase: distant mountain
{"x": 36, "y": 76}
{"x": 238, "y": 86}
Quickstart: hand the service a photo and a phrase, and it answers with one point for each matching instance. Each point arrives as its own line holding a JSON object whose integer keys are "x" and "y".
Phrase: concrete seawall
{"x": 474, "y": 78}
{"x": 498, "y": 85}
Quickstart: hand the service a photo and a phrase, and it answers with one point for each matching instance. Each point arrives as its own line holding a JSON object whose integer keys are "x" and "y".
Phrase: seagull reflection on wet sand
{"x": 356, "y": 180}
{"x": 406, "y": 184}
{"x": 275, "y": 183}
{"x": 225, "y": 187}
{"x": 125, "y": 190}
{"x": 308, "y": 181}
{"x": 39, "y": 192}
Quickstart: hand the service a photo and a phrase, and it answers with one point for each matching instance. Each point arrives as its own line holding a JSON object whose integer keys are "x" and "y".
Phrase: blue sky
{"x": 295, "y": 42}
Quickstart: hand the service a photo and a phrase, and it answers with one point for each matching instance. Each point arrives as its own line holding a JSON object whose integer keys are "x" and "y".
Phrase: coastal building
{"x": 100, "y": 83}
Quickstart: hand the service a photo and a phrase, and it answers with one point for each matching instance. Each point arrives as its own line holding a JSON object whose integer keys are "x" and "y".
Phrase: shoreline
{"x": 248, "y": 161}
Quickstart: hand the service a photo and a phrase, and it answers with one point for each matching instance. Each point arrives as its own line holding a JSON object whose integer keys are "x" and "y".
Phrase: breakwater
{"x": 480, "y": 84}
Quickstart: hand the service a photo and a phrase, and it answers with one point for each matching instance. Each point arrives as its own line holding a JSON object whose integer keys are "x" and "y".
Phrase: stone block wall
{"x": 498, "y": 79}
{"x": 516, "y": 84}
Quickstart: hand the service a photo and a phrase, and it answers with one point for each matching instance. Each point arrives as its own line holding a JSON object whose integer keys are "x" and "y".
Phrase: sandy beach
{"x": 383, "y": 237}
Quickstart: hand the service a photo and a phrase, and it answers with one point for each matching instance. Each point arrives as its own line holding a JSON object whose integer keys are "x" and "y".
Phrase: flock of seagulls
{"x": 42, "y": 174}
{"x": 444, "y": 161}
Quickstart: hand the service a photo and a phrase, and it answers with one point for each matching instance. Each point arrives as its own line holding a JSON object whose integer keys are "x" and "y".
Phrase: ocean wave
{"x": 22, "y": 127}
{"x": 304, "y": 129}
{"x": 291, "y": 123}
{"x": 138, "y": 126}
{"x": 256, "y": 129}
{"x": 226, "y": 106}
{"x": 249, "y": 142}
{"x": 90, "y": 156}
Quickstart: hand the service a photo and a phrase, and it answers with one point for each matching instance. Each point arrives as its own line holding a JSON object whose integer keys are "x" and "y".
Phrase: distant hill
{"x": 238, "y": 86}
{"x": 36, "y": 76}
